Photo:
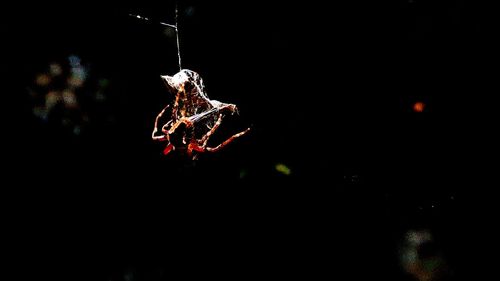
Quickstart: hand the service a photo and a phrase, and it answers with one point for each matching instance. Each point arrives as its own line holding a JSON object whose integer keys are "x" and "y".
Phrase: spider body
{"x": 194, "y": 117}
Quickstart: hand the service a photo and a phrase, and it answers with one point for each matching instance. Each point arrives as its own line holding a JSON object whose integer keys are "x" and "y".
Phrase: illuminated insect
{"x": 194, "y": 117}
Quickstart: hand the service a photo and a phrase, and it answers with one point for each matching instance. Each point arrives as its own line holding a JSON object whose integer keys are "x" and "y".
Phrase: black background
{"x": 327, "y": 89}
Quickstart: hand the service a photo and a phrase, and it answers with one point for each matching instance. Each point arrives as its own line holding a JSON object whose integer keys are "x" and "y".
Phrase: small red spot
{"x": 419, "y": 107}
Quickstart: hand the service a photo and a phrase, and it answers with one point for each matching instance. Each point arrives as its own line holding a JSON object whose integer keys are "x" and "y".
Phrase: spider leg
{"x": 199, "y": 148}
{"x": 168, "y": 148}
{"x": 193, "y": 146}
{"x": 155, "y": 129}
{"x": 161, "y": 138}
{"x": 184, "y": 120}
{"x": 205, "y": 138}
{"x": 165, "y": 136}
{"x": 164, "y": 128}
{"x": 226, "y": 142}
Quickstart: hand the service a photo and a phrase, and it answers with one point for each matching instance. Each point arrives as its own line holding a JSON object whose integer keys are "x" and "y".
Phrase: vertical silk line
{"x": 176, "y": 27}
{"x": 177, "y": 33}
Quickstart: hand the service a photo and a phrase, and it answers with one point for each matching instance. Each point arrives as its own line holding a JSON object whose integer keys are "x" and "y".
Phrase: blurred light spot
{"x": 40, "y": 112}
{"x": 243, "y": 173}
{"x": 75, "y": 82}
{"x": 61, "y": 100}
{"x": 51, "y": 99}
{"x": 419, "y": 106}
{"x": 421, "y": 257}
{"x": 78, "y": 76}
{"x": 129, "y": 276}
{"x": 55, "y": 69}
{"x": 69, "y": 99}
{"x": 103, "y": 83}
{"x": 42, "y": 80}
{"x": 282, "y": 168}
{"x": 99, "y": 96}
{"x": 74, "y": 61}
{"x": 417, "y": 237}
{"x": 77, "y": 130}
{"x": 79, "y": 72}
{"x": 432, "y": 264}
{"x": 352, "y": 178}
{"x": 190, "y": 11}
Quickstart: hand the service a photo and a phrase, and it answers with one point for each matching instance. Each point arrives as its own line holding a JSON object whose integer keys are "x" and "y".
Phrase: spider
{"x": 194, "y": 117}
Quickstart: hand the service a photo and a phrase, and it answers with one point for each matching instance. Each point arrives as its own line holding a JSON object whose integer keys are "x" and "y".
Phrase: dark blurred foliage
{"x": 329, "y": 91}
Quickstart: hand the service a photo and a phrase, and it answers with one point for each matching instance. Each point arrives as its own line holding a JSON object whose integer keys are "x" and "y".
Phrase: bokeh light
{"x": 283, "y": 169}
{"x": 422, "y": 258}
{"x": 65, "y": 94}
{"x": 419, "y": 107}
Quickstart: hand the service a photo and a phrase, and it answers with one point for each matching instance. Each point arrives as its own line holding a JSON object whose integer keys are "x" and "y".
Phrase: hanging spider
{"x": 194, "y": 117}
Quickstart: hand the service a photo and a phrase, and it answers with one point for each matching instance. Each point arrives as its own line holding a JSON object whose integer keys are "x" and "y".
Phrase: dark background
{"x": 328, "y": 90}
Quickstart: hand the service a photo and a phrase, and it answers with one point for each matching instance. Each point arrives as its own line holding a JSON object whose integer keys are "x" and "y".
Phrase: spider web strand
{"x": 177, "y": 33}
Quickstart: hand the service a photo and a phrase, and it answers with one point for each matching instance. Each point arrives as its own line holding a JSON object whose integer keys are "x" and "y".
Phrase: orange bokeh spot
{"x": 419, "y": 107}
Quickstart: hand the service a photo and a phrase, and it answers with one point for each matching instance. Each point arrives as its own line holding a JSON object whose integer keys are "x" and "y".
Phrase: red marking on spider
{"x": 194, "y": 117}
